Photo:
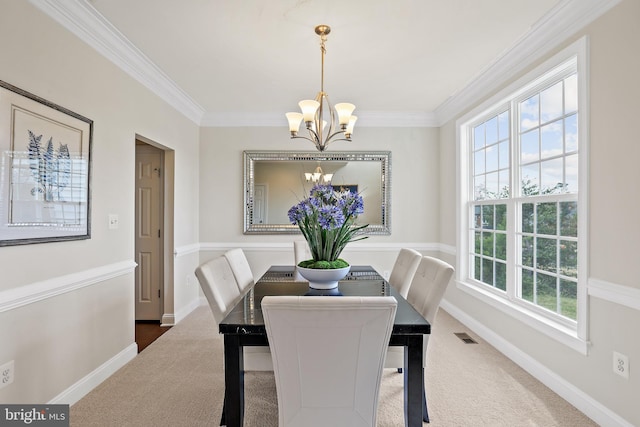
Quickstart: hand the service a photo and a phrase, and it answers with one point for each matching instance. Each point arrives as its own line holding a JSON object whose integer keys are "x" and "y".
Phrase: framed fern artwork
{"x": 45, "y": 170}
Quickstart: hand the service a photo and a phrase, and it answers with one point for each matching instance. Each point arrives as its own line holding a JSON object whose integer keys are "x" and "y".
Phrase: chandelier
{"x": 318, "y": 176}
{"x": 313, "y": 111}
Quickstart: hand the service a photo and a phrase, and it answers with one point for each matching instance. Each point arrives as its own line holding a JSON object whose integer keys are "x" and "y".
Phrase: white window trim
{"x": 577, "y": 338}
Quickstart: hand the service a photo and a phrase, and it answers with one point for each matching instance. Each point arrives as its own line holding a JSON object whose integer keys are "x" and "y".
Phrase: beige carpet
{"x": 178, "y": 381}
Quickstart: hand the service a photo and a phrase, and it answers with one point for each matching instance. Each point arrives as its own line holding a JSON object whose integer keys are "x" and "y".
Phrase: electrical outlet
{"x": 6, "y": 374}
{"x": 621, "y": 364}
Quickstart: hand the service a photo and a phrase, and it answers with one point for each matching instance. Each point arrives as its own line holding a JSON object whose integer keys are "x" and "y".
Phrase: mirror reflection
{"x": 275, "y": 181}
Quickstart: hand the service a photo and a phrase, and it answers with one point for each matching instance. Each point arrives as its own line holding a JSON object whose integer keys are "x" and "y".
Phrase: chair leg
{"x": 425, "y": 412}
{"x": 399, "y": 370}
{"x": 223, "y": 418}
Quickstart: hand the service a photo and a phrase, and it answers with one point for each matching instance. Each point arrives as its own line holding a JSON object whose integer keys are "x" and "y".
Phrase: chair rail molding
{"x": 34, "y": 292}
{"x": 619, "y": 294}
{"x": 371, "y": 247}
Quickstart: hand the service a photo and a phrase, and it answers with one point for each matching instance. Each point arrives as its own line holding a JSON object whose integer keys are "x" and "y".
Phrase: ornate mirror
{"x": 274, "y": 181}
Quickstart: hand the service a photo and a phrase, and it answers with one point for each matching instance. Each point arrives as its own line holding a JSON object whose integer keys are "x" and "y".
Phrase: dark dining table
{"x": 244, "y": 326}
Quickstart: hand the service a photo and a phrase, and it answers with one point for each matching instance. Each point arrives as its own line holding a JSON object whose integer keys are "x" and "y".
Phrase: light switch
{"x": 114, "y": 222}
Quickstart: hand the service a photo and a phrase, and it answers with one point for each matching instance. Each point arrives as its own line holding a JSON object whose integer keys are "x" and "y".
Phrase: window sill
{"x": 548, "y": 327}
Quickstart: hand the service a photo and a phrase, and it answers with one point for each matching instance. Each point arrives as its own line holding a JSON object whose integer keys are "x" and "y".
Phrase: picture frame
{"x": 45, "y": 170}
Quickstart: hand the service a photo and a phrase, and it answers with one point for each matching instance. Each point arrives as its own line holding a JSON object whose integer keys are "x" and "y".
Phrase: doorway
{"x": 149, "y": 249}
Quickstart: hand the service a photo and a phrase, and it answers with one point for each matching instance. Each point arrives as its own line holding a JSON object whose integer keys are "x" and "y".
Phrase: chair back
{"x": 403, "y": 270}
{"x": 301, "y": 251}
{"x": 328, "y": 353}
{"x": 428, "y": 286}
{"x": 241, "y": 268}
{"x": 219, "y": 286}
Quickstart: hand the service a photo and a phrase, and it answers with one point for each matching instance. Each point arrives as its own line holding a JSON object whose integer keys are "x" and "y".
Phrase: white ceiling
{"x": 253, "y": 57}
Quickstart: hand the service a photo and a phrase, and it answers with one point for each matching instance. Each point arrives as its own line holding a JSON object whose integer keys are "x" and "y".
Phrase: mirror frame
{"x": 251, "y": 157}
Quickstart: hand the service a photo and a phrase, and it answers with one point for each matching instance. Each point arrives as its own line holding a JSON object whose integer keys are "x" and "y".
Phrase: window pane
{"x": 527, "y": 285}
{"x": 551, "y": 179}
{"x": 571, "y": 133}
{"x": 477, "y": 265}
{"x": 478, "y": 162}
{"x": 492, "y": 158}
{"x": 491, "y": 127}
{"x": 569, "y": 258}
{"x": 477, "y": 217}
{"x": 546, "y": 295}
{"x": 527, "y": 218}
{"x": 569, "y": 219}
{"x": 487, "y": 271}
{"x": 568, "y": 298}
{"x": 530, "y": 179}
{"x": 487, "y": 217}
{"x": 501, "y": 217}
{"x": 529, "y": 113}
{"x": 551, "y": 140}
{"x": 527, "y": 251}
{"x": 478, "y": 242}
{"x": 529, "y": 147}
{"x": 571, "y": 173}
{"x": 546, "y": 254}
{"x": 479, "y": 188}
{"x": 487, "y": 244}
{"x": 571, "y": 94}
{"x": 551, "y": 103}
{"x": 478, "y": 136}
{"x": 503, "y": 154}
{"x": 493, "y": 186}
{"x": 503, "y": 180}
{"x": 501, "y": 246}
{"x": 503, "y": 126}
{"x": 547, "y": 217}
{"x": 501, "y": 276}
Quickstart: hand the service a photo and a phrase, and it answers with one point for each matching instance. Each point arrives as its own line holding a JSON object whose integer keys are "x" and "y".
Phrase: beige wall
{"x": 614, "y": 229}
{"x": 57, "y": 341}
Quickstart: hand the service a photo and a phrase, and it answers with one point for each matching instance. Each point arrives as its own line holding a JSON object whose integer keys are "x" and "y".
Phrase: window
{"x": 522, "y": 231}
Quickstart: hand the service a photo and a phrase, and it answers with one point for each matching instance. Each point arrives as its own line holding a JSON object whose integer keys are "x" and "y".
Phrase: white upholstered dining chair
{"x": 241, "y": 268}
{"x": 403, "y": 270}
{"x": 328, "y": 354}
{"x": 425, "y": 293}
{"x": 219, "y": 286}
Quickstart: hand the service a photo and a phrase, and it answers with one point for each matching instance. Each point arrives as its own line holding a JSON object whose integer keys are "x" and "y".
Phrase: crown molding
{"x": 561, "y": 22}
{"x": 412, "y": 119}
{"x": 566, "y": 18}
{"x": 79, "y": 17}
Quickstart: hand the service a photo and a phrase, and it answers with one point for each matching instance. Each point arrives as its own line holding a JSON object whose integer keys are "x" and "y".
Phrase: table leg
{"x": 413, "y": 382}
{"x": 233, "y": 381}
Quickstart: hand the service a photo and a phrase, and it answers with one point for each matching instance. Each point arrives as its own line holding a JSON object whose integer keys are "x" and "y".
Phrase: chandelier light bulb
{"x": 294, "y": 122}
{"x": 309, "y": 108}
{"x": 344, "y": 110}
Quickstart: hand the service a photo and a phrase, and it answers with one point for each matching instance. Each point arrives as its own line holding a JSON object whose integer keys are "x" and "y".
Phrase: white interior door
{"x": 149, "y": 203}
{"x": 260, "y": 204}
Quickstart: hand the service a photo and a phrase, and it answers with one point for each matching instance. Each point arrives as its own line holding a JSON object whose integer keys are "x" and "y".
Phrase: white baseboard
{"x": 582, "y": 401}
{"x": 101, "y": 373}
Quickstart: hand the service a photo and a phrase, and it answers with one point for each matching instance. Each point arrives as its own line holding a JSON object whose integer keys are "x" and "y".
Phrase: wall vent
{"x": 465, "y": 337}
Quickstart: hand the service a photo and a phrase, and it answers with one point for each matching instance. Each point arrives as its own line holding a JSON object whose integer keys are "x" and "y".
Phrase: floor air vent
{"x": 465, "y": 337}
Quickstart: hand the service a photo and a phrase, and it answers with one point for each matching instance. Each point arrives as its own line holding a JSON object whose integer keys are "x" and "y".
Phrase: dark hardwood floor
{"x": 147, "y": 331}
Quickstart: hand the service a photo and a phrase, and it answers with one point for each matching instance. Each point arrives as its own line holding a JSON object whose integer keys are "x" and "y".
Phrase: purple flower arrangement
{"x": 327, "y": 221}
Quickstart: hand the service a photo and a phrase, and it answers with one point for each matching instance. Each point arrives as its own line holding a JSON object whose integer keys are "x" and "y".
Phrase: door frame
{"x": 168, "y": 317}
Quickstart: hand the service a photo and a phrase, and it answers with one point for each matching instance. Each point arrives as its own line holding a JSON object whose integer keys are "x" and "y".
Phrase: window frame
{"x": 574, "y": 334}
